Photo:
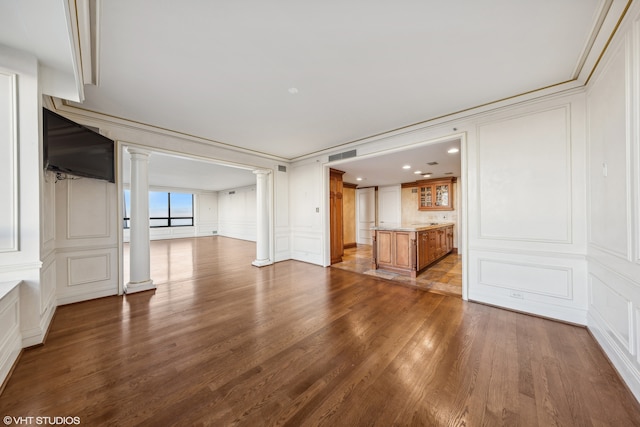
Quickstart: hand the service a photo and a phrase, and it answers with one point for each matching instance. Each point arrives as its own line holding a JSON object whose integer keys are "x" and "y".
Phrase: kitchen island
{"x": 410, "y": 249}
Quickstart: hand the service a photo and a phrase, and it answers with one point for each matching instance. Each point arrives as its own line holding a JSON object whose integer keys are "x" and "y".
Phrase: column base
{"x": 261, "y": 262}
{"x": 133, "y": 287}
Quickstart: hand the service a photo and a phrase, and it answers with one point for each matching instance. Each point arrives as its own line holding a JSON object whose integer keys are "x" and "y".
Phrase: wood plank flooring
{"x": 444, "y": 277}
{"x": 223, "y": 343}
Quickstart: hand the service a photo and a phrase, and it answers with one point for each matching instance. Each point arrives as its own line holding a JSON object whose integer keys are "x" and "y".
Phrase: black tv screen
{"x": 74, "y": 149}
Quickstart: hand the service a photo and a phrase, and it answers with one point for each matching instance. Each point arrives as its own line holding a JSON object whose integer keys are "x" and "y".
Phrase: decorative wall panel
{"x": 524, "y": 177}
{"x": 613, "y": 309}
{"x": 608, "y": 168}
{"x": 8, "y": 164}
{"x": 88, "y": 209}
{"x": 88, "y": 269}
{"x": 539, "y": 279}
{"x": 10, "y": 338}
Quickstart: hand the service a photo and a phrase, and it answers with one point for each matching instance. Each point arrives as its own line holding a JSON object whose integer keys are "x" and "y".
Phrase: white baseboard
{"x": 627, "y": 370}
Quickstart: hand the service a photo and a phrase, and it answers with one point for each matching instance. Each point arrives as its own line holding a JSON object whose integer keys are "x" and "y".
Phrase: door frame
{"x": 463, "y": 239}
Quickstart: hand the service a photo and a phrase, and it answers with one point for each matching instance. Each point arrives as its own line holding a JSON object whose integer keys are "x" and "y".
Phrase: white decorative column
{"x": 262, "y": 220}
{"x": 139, "y": 248}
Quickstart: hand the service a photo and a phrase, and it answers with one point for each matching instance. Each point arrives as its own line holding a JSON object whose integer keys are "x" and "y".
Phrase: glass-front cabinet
{"x": 436, "y": 194}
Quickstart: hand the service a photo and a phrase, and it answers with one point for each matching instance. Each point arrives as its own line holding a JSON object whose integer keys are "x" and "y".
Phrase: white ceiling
{"x": 190, "y": 174}
{"x": 388, "y": 169}
{"x": 222, "y": 70}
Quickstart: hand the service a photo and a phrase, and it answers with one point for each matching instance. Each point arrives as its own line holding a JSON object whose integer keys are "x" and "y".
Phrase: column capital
{"x": 262, "y": 171}
{"x": 138, "y": 151}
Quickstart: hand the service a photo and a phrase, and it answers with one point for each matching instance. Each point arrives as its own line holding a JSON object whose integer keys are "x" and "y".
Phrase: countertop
{"x": 412, "y": 227}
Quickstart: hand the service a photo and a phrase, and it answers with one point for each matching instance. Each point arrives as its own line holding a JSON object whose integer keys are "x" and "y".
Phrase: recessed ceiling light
{"x": 417, "y": 172}
{"x": 293, "y": 90}
{"x": 406, "y": 167}
{"x": 358, "y": 179}
{"x": 426, "y": 175}
{"x": 452, "y": 150}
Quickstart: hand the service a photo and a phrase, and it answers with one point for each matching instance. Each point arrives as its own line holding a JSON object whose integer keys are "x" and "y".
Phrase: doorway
{"x": 398, "y": 171}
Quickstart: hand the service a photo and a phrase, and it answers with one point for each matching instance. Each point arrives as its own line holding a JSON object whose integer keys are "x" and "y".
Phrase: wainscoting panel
{"x": 550, "y": 285}
{"x": 87, "y": 269}
{"x": 282, "y": 244}
{"x": 307, "y": 247}
{"x": 48, "y": 283}
{"x": 551, "y": 281}
{"x": 86, "y": 274}
{"x": 613, "y": 309}
{"x": 614, "y": 320}
{"x": 10, "y": 338}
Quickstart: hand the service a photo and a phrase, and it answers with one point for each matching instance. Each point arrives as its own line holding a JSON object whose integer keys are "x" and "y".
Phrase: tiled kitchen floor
{"x": 443, "y": 277}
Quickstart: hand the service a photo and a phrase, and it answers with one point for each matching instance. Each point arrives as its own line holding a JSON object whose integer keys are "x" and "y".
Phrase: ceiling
{"x": 391, "y": 168}
{"x": 191, "y": 174}
{"x": 291, "y": 78}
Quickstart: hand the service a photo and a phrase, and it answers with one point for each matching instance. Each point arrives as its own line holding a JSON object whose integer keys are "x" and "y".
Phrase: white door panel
{"x": 365, "y": 214}
{"x": 389, "y": 205}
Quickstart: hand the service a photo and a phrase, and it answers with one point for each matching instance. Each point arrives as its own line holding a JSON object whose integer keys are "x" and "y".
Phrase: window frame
{"x": 126, "y": 220}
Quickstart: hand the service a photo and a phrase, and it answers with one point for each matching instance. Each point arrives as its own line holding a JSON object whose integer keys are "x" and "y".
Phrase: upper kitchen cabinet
{"x": 436, "y": 194}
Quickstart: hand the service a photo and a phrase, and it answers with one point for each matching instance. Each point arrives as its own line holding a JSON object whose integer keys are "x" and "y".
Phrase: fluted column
{"x": 262, "y": 223}
{"x": 139, "y": 248}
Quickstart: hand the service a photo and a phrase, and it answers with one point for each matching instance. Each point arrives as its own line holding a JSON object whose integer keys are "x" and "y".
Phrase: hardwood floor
{"x": 444, "y": 276}
{"x": 223, "y": 343}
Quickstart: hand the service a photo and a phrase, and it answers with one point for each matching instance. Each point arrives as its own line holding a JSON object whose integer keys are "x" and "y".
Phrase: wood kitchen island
{"x": 409, "y": 249}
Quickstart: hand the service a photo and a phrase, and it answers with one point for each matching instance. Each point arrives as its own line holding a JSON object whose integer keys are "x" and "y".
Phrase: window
{"x": 165, "y": 209}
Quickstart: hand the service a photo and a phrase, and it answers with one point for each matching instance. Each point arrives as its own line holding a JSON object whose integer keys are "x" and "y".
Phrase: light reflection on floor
{"x": 443, "y": 277}
{"x": 171, "y": 260}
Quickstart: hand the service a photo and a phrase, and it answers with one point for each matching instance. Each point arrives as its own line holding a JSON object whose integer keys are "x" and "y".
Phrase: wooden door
{"x": 335, "y": 215}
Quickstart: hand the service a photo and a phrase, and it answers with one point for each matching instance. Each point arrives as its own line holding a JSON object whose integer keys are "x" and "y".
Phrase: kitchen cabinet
{"x": 408, "y": 250}
{"x": 435, "y": 194}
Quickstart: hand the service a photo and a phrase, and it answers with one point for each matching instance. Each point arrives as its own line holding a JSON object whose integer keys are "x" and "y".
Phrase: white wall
{"x": 524, "y": 168}
{"x": 237, "y": 213}
{"x": 282, "y": 232}
{"x": 526, "y": 209}
{"x": 613, "y": 105}
{"x": 206, "y": 213}
{"x": 26, "y": 310}
{"x": 306, "y": 205}
{"x": 86, "y": 249}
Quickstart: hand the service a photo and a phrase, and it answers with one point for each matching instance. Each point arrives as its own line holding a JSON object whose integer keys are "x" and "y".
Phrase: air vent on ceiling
{"x": 448, "y": 173}
{"x": 232, "y": 192}
{"x": 282, "y": 168}
{"x": 432, "y": 163}
{"x": 344, "y": 155}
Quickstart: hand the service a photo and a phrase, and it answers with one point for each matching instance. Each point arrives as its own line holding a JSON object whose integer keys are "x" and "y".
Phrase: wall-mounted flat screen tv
{"x": 76, "y": 150}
